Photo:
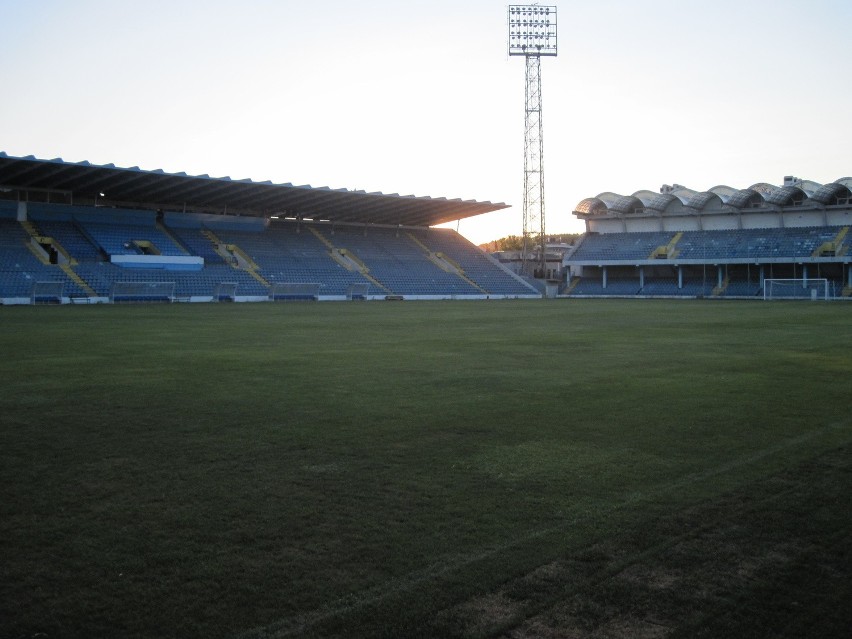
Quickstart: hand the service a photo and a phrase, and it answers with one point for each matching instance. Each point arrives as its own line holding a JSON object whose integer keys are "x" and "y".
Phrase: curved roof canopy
{"x": 719, "y": 197}
{"x": 147, "y": 189}
{"x": 723, "y": 191}
{"x": 786, "y": 196}
{"x": 627, "y": 204}
{"x": 738, "y": 198}
{"x": 683, "y": 194}
{"x": 661, "y": 202}
{"x": 608, "y": 198}
{"x": 591, "y": 206}
{"x": 620, "y": 203}
{"x": 809, "y": 186}
{"x": 694, "y": 199}
{"x": 699, "y": 201}
{"x": 655, "y": 201}
{"x": 745, "y": 199}
{"x": 831, "y": 193}
{"x": 763, "y": 188}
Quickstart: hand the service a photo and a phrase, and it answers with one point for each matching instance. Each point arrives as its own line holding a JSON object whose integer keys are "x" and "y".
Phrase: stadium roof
{"x": 757, "y": 196}
{"x": 133, "y": 186}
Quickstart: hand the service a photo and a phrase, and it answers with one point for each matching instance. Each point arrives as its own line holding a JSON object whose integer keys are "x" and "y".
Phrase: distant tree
{"x": 510, "y": 243}
{"x": 516, "y": 242}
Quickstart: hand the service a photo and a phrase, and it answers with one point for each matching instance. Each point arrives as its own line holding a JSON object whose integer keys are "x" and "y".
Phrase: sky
{"x": 421, "y": 98}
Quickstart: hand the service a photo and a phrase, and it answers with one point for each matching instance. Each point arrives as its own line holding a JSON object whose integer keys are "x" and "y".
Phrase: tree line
{"x": 516, "y": 242}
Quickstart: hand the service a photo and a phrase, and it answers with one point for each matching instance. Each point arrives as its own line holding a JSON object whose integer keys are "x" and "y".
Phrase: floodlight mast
{"x": 532, "y": 34}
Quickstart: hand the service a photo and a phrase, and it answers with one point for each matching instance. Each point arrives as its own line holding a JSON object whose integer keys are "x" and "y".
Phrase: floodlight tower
{"x": 532, "y": 34}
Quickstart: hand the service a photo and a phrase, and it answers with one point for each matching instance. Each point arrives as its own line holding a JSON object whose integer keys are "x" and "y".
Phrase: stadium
{"x": 81, "y": 233}
{"x": 515, "y": 467}
{"x": 78, "y": 233}
{"x": 762, "y": 241}
{"x": 240, "y": 409}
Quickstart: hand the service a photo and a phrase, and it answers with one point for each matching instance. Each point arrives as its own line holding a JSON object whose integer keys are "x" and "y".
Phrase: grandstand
{"x": 82, "y": 233}
{"x": 720, "y": 243}
{"x": 70, "y": 232}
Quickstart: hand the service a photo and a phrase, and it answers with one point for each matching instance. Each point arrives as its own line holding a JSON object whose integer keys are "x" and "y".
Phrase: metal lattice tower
{"x": 533, "y": 163}
{"x": 532, "y": 34}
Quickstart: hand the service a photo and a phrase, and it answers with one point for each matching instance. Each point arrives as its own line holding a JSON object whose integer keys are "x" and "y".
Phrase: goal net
{"x": 796, "y": 288}
{"x": 142, "y": 292}
{"x": 225, "y": 292}
{"x": 294, "y": 291}
{"x": 357, "y": 291}
{"x": 47, "y": 292}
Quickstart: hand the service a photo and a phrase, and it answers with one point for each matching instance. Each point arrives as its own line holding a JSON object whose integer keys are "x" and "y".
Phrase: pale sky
{"x": 421, "y": 98}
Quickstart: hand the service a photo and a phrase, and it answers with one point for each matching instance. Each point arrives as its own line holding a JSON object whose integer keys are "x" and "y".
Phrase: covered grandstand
{"x": 78, "y": 232}
{"x": 720, "y": 243}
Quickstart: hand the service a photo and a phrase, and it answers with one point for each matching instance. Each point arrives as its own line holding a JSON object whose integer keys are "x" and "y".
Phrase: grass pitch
{"x": 466, "y": 469}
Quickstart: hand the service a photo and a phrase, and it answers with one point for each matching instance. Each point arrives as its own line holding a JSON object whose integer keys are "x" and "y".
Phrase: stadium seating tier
{"x": 387, "y": 261}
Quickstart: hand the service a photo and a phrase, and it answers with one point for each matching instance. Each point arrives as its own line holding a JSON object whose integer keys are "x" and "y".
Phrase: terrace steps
{"x": 220, "y": 247}
{"x": 210, "y": 235}
{"x": 322, "y": 238}
{"x": 346, "y": 258}
{"x": 40, "y": 256}
{"x": 835, "y": 247}
{"x": 445, "y": 263}
{"x": 236, "y": 257}
{"x": 376, "y": 282}
{"x": 37, "y": 240}
{"x": 79, "y": 281}
{"x": 462, "y": 275}
{"x": 165, "y": 230}
{"x": 719, "y": 290}
{"x": 258, "y": 277}
{"x": 31, "y": 228}
{"x": 48, "y": 243}
{"x": 417, "y": 241}
{"x": 666, "y": 251}
{"x": 572, "y": 285}
{"x": 349, "y": 260}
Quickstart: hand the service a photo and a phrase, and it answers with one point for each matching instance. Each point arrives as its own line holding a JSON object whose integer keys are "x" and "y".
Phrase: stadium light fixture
{"x": 532, "y": 30}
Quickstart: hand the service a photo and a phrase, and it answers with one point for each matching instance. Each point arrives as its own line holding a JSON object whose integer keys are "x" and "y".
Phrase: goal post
{"x": 225, "y": 292}
{"x": 47, "y": 292}
{"x": 142, "y": 292}
{"x": 799, "y": 288}
{"x": 357, "y": 291}
{"x": 294, "y": 291}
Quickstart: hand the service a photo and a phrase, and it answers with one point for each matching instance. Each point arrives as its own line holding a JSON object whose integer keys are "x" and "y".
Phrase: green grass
{"x": 426, "y": 469}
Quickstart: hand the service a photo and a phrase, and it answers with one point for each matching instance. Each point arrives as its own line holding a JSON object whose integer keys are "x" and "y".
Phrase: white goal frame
{"x": 142, "y": 292}
{"x": 796, "y": 288}
{"x": 225, "y": 292}
{"x": 47, "y": 292}
{"x": 357, "y": 291}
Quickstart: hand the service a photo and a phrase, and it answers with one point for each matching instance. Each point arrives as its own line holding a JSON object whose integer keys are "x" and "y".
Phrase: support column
{"x": 603, "y": 279}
